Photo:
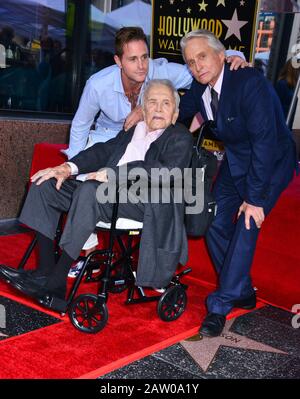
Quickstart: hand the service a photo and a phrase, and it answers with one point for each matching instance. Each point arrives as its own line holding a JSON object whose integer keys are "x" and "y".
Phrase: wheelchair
{"x": 116, "y": 273}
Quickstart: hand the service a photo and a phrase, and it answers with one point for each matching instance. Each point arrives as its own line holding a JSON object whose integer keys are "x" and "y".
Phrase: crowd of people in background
{"x": 38, "y": 73}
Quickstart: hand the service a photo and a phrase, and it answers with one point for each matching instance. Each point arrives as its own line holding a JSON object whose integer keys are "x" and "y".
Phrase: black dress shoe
{"x": 9, "y": 272}
{"x": 247, "y": 303}
{"x": 27, "y": 287}
{"x": 212, "y": 325}
{"x": 32, "y": 278}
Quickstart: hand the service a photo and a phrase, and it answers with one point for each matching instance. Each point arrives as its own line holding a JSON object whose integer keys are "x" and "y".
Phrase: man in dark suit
{"x": 260, "y": 162}
{"x": 156, "y": 143}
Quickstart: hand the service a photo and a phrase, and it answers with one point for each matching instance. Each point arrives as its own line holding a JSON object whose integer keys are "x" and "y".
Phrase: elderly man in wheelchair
{"x": 149, "y": 150}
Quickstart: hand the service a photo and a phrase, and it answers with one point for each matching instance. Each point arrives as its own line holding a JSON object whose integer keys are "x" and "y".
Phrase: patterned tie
{"x": 214, "y": 102}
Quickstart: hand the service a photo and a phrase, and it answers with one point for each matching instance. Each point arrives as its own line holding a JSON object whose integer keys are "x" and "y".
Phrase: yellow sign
{"x": 213, "y": 145}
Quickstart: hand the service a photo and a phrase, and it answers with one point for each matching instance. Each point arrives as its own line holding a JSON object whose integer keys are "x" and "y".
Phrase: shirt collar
{"x": 141, "y": 132}
{"x": 119, "y": 88}
{"x": 218, "y": 85}
{"x": 118, "y": 85}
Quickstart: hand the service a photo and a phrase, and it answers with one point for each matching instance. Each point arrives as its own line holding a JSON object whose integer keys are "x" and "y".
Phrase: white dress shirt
{"x": 206, "y": 96}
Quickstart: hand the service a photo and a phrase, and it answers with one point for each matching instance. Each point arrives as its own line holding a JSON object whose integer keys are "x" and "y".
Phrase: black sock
{"x": 47, "y": 259}
{"x": 58, "y": 279}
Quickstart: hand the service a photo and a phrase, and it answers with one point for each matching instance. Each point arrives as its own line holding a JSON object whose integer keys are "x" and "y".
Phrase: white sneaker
{"x": 160, "y": 290}
{"x": 75, "y": 269}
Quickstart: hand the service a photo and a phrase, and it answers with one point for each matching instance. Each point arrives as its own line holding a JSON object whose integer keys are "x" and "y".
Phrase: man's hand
{"x": 60, "y": 173}
{"x": 135, "y": 116}
{"x": 237, "y": 62}
{"x": 256, "y": 212}
{"x": 101, "y": 176}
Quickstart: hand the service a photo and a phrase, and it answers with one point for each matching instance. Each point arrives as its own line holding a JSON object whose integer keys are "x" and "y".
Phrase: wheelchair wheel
{"x": 172, "y": 303}
{"x": 87, "y": 314}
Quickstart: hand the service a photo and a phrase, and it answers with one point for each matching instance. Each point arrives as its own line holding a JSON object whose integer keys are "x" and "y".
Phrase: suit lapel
{"x": 200, "y": 90}
{"x": 224, "y": 104}
{"x": 117, "y": 155}
{"x": 158, "y": 144}
{"x": 202, "y": 110}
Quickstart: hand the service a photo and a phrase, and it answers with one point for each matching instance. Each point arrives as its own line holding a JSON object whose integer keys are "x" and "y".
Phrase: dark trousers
{"x": 44, "y": 205}
{"x": 231, "y": 245}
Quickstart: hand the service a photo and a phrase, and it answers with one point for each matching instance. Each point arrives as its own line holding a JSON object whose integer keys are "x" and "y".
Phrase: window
{"x": 49, "y": 48}
{"x": 35, "y": 73}
{"x": 276, "y": 35}
{"x": 279, "y": 5}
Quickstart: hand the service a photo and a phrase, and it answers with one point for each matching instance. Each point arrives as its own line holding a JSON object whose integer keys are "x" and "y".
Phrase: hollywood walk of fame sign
{"x": 232, "y": 21}
{"x": 204, "y": 350}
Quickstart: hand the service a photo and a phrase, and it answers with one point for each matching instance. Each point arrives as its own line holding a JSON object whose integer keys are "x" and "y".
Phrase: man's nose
{"x": 158, "y": 107}
{"x": 141, "y": 64}
{"x": 198, "y": 66}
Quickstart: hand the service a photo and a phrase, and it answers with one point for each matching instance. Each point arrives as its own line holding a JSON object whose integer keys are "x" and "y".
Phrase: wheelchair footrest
{"x": 54, "y": 303}
{"x": 142, "y": 299}
{"x": 183, "y": 273}
{"x": 140, "y": 296}
{"x": 177, "y": 277}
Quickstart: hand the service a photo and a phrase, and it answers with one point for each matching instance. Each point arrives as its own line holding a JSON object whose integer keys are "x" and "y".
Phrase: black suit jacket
{"x": 163, "y": 241}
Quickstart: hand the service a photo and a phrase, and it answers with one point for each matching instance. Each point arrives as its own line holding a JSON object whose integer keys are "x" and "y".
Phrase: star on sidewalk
{"x": 242, "y": 3}
{"x": 204, "y": 350}
{"x": 202, "y": 6}
{"x": 234, "y": 25}
{"x": 221, "y": 3}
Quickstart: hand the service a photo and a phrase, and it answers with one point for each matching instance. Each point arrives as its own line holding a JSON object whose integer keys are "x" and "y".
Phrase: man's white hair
{"x": 161, "y": 82}
{"x": 212, "y": 40}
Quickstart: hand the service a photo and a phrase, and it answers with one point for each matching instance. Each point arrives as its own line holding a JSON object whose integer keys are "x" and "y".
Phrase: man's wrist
{"x": 72, "y": 167}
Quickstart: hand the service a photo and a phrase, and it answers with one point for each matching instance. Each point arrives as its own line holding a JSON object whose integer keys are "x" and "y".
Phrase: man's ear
{"x": 118, "y": 61}
{"x": 222, "y": 56}
{"x": 174, "y": 118}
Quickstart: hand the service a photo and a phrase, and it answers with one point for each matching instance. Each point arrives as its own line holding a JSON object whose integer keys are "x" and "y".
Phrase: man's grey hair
{"x": 161, "y": 82}
{"x": 212, "y": 40}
